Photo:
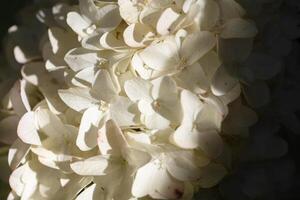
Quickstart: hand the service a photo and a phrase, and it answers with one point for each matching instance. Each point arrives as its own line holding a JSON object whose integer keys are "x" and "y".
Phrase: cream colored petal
{"x": 208, "y": 141}
{"x": 77, "y": 23}
{"x": 196, "y": 45}
{"x": 156, "y": 182}
{"x": 78, "y": 99}
{"x": 88, "y": 129}
{"x": 103, "y": 87}
{"x": 191, "y": 106}
{"x": 50, "y": 124}
{"x": 80, "y": 58}
{"x": 138, "y": 64}
{"x": 113, "y": 40}
{"x": 123, "y": 112}
{"x": 193, "y": 78}
{"x": 222, "y": 82}
{"x": 156, "y": 121}
{"x": 208, "y": 13}
{"x": 167, "y": 21}
{"x": 94, "y": 166}
{"x": 27, "y": 130}
{"x": 185, "y": 165}
{"x": 137, "y": 89}
{"x": 107, "y": 17}
{"x": 162, "y": 56}
{"x": 137, "y": 35}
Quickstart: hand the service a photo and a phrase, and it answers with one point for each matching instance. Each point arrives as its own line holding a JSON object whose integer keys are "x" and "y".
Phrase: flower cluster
{"x": 128, "y": 99}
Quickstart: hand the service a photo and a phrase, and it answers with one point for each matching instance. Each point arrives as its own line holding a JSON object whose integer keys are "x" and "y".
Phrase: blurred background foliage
{"x": 7, "y": 14}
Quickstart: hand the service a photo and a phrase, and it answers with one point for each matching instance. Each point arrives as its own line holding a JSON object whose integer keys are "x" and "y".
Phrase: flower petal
{"x": 94, "y": 166}
{"x": 88, "y": 129}
{"x": 80, "y": 58}
{"x": 78, "y": 99}
{"x": 137, "y": 89}
{"x": 156, "y": 182}
{"x": 27, "y": 130}
{"x": 196, "y": 45}
{"x": 185, "y": 165}
{"x": 103, "y": 87}
{"x": 222, "y": 82}
{"x": 162, "y": 56}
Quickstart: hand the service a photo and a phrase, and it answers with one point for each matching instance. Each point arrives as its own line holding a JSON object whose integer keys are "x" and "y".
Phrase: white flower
{"x": 200, "y": 125}
{"x": 94, "y": 19}
{"x": 158, "y": 101}
{"x": 171, "y": 55}
{"x": 148, "y": 82}
{"x": 115, "y": 167}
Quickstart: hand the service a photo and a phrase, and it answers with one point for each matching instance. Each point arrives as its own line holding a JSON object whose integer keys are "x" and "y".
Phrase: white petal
{"x": 78, "y": 99}
{"x": 15, "y": 180}
{"x": 185, "y": 165}
{"x": 88, "y": 129}
{"x": 238, "y": 28}
{"x": 167, "y": 21}
{"x": 123, "y": 112}
{"x": 222, "y": 82}
{"x": 103, "y": 87}
{"x": 193, "y": 78}
{"x": 191, "y": 106}
{"x": 156, "y": 121}
{"x": 164, "y": 88}
{"x": 138, "y": 64}
{"x": 211, "y": 116}
{"x": 145, "y": 107}
{"x": 80, "y": 58}
{"x": 208, "y": 13}
{"x": 107, "y": 17}
{"x": 137, "y": 89}
{"x": 136, "y": 157}
{"x": 113, "y": 40}
{"x": 196, "y": 45}
{"x": 77, "y": 23}
{"x": 129, "y": 11}
{"x": 27, "y": 130}
{"x": 115, "y": 136}
{"x": 94, "y": 166}
{"x": 86, "y": 76}
{"x": 136, "y": 35}
{"x": 49, "y": 124}
{"x": 156, "y": 182}
{"x": 162, "y": 56}
{"x": 209, "y": 141}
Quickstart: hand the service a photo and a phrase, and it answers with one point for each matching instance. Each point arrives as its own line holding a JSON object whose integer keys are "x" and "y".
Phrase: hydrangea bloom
{"x": 133, "y": 99}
